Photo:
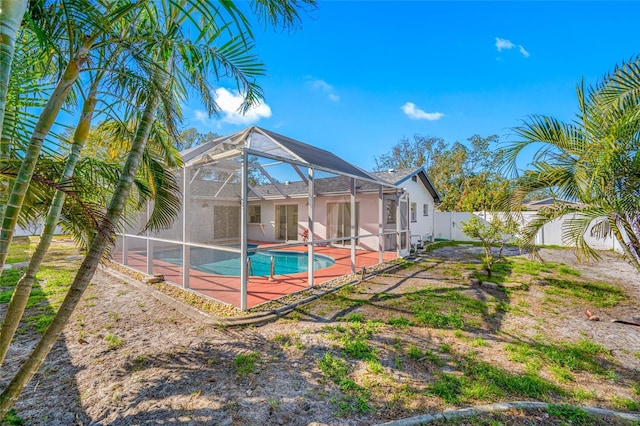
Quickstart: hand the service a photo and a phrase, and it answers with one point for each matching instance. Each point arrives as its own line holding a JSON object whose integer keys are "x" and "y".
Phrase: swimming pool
{"x": 228, "y": 263}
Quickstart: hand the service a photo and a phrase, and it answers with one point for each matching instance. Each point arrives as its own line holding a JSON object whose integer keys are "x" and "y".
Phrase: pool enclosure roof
{"x": 261, "y": 142}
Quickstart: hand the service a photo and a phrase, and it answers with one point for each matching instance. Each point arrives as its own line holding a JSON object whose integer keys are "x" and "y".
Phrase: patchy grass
{"x": 597, "y": 293}
{"x": 245, "y": 363}
{"x": 113, "y": 341}
{"x": 482, "y": 381}
{"x": 561, "y": 358}
{"x": 439, "y": 341}
{"x": 52, "y": 280}
{"x": 445, "y": 308}
{"x": 355, "y": 398}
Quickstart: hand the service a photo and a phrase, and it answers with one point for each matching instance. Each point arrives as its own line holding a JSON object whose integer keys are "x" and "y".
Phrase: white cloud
{"x": 201, "y": 116}
{"x": 326, "y": 88}
{"x": 229, "y": 104}
{"x": 415, "y": 113}
{"x": 504, "y": 44}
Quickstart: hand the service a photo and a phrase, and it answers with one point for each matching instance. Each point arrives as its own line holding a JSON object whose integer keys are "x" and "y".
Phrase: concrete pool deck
{"x": 226, "y": 289}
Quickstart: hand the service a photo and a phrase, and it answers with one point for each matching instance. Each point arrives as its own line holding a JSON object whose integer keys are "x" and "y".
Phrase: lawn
{"x": 421, "y": 338}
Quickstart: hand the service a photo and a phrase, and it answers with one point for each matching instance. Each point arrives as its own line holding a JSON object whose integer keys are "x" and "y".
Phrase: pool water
{"x": 227, "y": 263}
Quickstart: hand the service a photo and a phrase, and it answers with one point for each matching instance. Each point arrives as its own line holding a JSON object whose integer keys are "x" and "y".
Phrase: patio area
{"x": 255, "y": 204}
{"x": 226, "y": 289}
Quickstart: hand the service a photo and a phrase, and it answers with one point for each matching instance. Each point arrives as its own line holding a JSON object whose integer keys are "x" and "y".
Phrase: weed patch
{"x": 481, "y": 381}
{"x": 582, "y": 355}
{"x": 445, "y": 308}
{"x": 245, "y": 363}
{"x": 597, "y": 293}
{"x": 356, "y": 397}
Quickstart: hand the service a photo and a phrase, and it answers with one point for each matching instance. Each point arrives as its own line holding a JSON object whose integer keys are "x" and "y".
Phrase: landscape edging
{"x": 498, "y": 407}
{"x": 253, "y": 319}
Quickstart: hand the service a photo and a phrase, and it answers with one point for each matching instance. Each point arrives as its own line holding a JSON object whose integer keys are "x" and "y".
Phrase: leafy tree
{"x": 467, "y": 177}
{"x": 80, "y": 40}
{"x": 220, "y": 44}
{"x": 191, "y": 137}
{"x": 493, "y": 234}
{"x": 419, "y": 152}
{"x": 593, "y": 160}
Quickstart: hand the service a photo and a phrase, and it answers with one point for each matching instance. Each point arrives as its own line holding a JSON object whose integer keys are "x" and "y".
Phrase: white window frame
{"x": 425, "y": 210}
{"x": 414, "y": 212}
{"x": 255, "y": 213}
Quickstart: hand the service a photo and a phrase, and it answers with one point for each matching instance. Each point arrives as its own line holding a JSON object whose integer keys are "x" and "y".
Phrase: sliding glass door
{"x": 287, "y": 222}
{"x": 339, "y": 221}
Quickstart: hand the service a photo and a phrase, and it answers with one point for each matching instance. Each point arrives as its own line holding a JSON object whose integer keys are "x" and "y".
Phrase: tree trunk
{"x": 9, "y": 26}
{"x": 89, "y": 265}
{"x": 45, "y": 121}
{"x": 630, "y": 247}
{"x": 10, "y": 20}
{"x": 6, "y": 138}
{"x": 20, "y": 296}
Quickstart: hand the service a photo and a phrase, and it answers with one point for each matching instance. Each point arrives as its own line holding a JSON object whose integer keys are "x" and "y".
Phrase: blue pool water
{"x": 227, "y": 263}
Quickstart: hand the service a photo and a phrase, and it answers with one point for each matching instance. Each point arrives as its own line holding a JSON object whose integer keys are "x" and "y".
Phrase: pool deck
{"x": 260, "y": 290}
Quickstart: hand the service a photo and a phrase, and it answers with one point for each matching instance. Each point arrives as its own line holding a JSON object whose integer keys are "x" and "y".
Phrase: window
{"x": 425, "y": 210}
{"x": 226, "y": 222}
{"x": 391, "y": 211}
{"x": 414, "y": 213}
{"x": 339, "y": 220}
{"x": 414, "y": 178}
{"x": 254, "y": 214}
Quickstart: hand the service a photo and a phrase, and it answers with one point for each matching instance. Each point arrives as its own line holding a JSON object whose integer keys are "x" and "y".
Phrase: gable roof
{"x": 538, "y": 204}
{"x": 399, "y": 176}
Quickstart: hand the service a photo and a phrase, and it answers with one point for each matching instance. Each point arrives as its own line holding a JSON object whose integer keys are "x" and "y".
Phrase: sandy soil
{"x": 126, "y": 358}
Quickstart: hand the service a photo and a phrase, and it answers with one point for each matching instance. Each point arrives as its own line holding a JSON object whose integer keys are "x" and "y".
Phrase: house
{"x": 422, "y": 199}
{"x": 264, "y": 215}
{"x": 548, "y": 202}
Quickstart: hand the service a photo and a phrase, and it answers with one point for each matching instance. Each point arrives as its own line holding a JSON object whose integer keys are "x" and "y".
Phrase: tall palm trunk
{"x": 89, "y": 265}
{"x": 20, "y": 296}
{"x": 10, "y": 20}
{"x": 45, "y": 121}
{"x": 5, "y": 142}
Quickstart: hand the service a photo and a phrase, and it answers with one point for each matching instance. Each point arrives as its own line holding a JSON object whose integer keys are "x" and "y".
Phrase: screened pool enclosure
{"x": 263, "y": 216}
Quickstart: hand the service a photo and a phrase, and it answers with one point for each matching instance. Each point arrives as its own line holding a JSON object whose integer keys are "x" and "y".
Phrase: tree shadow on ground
{"x": 213, "y": 383}
{"x": 55, "y": 381}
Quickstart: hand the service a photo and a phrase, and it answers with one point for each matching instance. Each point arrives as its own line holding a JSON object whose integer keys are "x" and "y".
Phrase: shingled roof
{"x": 399, "y": 176}
{"x": 270, "y": 144}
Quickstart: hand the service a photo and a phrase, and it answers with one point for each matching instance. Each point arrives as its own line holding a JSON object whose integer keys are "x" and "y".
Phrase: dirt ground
{"x": 127, "y": 358}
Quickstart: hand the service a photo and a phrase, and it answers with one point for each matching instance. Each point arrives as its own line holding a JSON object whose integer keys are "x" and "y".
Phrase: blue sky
{"x": 360, "y": 75}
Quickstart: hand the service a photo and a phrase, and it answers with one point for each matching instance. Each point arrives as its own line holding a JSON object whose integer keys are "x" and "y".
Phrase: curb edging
{"x": 258, "y": 318}
{"x": 499, "y": 407}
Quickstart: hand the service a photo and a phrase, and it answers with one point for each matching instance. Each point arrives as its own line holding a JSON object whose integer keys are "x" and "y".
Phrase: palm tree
{"x": 11, "y": 19}
{"x": 593, "y": 160}
{"x": 28, "y": 86}
{"x": 165, "y": 194}
{"x": 179, "y": 60}
{"x": 80, "y": 44}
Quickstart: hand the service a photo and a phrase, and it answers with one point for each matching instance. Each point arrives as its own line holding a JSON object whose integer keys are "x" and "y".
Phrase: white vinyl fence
{"x": 33, "y": 229}
{"x": 448, "y": 226}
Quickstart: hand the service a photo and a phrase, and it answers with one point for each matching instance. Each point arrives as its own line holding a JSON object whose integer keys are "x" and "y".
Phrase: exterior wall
{"x": 424, "y": 226}
{"x": 266, "y": 229}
